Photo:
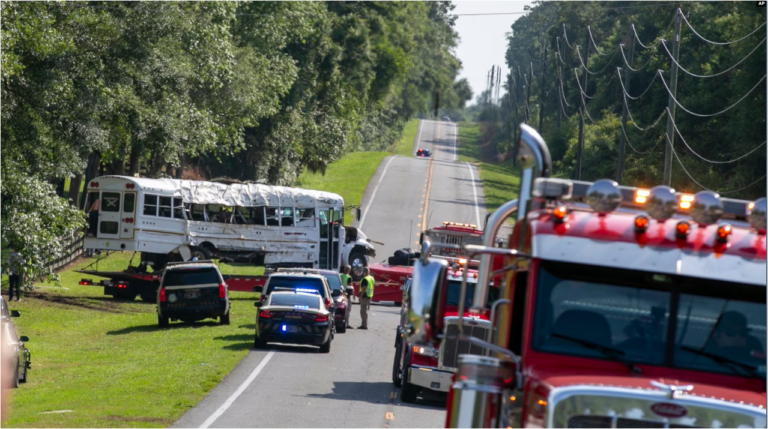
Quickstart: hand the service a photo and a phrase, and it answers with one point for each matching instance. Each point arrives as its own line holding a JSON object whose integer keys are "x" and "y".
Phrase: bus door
{"x": 110, "y": 214}
{"x": 330, "y": 236}
{"x": 128, "y": 216}
{"x": 325, "y": 233}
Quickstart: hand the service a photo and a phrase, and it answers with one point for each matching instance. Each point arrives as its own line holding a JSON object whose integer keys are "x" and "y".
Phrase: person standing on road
{"x": 15, "y": 262}
{"x": 366, "y": 294}
{"x": 346, "y": 280}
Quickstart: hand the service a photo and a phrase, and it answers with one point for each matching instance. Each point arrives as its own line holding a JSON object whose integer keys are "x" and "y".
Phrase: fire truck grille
{"x": 621, "y": 422}
{"x": 452, "y": 348}
{"x": 453, "y": 239}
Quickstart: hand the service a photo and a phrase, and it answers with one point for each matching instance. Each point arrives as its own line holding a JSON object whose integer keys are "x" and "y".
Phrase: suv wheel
{"x": 224, "y": 319}
{"x": 162, "y": 321}
{"x": 409, "y": 391}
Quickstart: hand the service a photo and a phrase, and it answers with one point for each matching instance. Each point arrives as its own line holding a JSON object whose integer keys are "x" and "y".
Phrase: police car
{"x": 423, "y": 153}
{"x": 294, "y": 316}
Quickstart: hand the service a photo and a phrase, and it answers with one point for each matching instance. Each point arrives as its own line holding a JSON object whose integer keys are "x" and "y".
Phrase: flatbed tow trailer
{"x": 127, "y": 285}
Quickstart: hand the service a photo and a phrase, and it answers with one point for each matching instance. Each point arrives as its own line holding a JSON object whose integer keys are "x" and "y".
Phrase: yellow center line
{"x": 429, "y": 181}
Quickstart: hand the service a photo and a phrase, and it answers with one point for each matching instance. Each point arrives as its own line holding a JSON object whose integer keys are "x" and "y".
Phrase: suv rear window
{"x": 297, "y": 282}
{"x": 191, "y": 276}
{"x": 291, "y": 300}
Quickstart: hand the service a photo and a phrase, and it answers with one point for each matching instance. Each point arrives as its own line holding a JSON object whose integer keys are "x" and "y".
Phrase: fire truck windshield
{"x": 454, "y": 293}
{"x": 716, "y": 326}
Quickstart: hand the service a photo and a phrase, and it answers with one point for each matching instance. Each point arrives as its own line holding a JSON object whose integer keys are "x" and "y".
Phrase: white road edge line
{"x": 373, "y": 195}
{"x": 455, "y": 148}
{"x": 474, "y": 192}
{"x": 238, "y": 392}
{"x": 418, "y": 138}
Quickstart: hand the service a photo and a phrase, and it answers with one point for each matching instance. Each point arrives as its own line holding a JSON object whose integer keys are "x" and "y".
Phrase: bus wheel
{"x": 201, "y": 253}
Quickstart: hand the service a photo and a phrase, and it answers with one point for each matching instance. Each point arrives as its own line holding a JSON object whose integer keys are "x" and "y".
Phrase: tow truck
{"x": 431, "y": 367}
{"x": 620, "y": 307}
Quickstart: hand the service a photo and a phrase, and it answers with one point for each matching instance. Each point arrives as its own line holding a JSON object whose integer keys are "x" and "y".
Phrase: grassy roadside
{"x": 108, "y": 364}
{"x": 350, "y": 175}
{"x": 99, "y": 362}
{"x": 501, "y": 182}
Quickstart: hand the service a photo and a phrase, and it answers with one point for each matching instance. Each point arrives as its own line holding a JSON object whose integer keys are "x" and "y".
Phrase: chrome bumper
{"x": 430, "y": 378}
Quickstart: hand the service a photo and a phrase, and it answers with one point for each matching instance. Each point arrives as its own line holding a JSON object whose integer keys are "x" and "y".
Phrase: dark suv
{"x": 191, "y": 291}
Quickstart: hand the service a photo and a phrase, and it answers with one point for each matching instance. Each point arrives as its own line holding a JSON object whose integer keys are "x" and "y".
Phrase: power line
{"x": 621, "y": 47}
{"x": 639, "y": 7}
{"x": 490, "y": 13}
{"x": 625, "y": 89}
{"x": 720, "y": 43}
{"x": 709, "y": 160}
{"x": 596, "y": 91}
{"x": 623, "y": 130}
{"x": 589, "y": 30}
{"x": 700, "y": 185}
{"x": 711, "y": 75}
{"x": 712, "y": 114}
{"x": 658, "y": 38}
{"x": 589, "y": 71}
{"x": 656, "y": 122}
{"x": 565, "y": 37}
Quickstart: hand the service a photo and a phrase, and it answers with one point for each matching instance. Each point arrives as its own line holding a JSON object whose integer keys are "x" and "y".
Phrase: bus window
{"x": 110, "y": 202}
{"x": 257, "y": 215}
{"x": 242, "y": 216}
{"x": 286, "y": 216}
{"x": 323, "y": 223}
{"x": 150, "y": 205}
{"x": 164, "y": 208}
{"x": 306, "y": 217}
{"x": 178, "y": 209}
{"x": 272, "y": 218}
{"x": 215, "y": 213}
{"x": 129, "y": 201}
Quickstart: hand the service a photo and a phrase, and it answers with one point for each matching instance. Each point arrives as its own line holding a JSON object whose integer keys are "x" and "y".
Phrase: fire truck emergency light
{"x": 641, "y": 223}
{"x": 724, "y": 232}
{"x": 641, "y": 196}
{"x": 682, "y": 229}
{"x": 559, "y": 213}
{"x": 685, "y": 201}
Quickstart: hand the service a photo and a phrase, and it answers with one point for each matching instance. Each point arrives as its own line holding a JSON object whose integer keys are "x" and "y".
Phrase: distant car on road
{"x": 192, "y": 291}
{"x": 446, "y": 119}
{"x": 423, "y": 153}
{"x": 294, "y": 316}
{"x": 19, "y": 360}
{"x": 340, "y": 295}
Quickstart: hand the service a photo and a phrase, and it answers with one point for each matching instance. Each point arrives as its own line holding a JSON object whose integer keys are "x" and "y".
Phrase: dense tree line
{"x": 251, "y": 90}
{"x": 556, "y": 35}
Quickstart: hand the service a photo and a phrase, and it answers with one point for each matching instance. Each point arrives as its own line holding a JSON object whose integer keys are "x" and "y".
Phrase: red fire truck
{"x": 431, "y": 367}
{"x": 621, "y": 307}
{"x": 457, "y": 234}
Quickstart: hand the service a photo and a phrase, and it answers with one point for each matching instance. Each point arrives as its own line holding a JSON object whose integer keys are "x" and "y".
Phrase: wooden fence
{"x": 73, "y": 248}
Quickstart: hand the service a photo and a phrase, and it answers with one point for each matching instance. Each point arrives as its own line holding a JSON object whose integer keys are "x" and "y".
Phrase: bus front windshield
{"x": 655, "y": 319}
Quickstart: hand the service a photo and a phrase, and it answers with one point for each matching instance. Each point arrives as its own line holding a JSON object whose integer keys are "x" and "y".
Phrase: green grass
{"x": 404, "y": 147}
{"x": 501, "y": 182}
{"x": 350, "y": 175}
{"x": 107, "y": 361}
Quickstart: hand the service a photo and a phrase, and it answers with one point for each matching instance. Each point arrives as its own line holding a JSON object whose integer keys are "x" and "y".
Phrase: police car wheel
{"x": 257, "y": 343}
{"x": 326, "y": 348}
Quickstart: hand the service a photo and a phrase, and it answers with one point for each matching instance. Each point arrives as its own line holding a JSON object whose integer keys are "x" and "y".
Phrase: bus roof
{"x": 234, "y": 195}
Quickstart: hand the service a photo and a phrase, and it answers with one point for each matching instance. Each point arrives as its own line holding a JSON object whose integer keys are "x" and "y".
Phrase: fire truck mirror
{"x": 421, "y": 299}
{"x": 421, "y": 238}
{"x": 357, "y": 213}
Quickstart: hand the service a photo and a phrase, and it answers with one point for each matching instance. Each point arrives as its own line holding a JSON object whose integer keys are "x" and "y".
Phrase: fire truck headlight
{"x": 462, "y": 261}
{"x": 425, "y": 351}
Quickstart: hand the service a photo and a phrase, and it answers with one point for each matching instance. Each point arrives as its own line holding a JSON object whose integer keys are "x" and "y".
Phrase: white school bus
{"x": 175, "y": 220}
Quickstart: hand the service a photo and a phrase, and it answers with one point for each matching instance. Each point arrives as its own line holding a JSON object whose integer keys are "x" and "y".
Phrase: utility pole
{"x": 515, "y": 139}
{"x": 671, "y": 113}
{"x": 493, "y": 77}
{"x": 543, "y": 87}
{"x": 580, "y": 148}
{"x": 487, "y": 88}
{"x": 627, "y": 75}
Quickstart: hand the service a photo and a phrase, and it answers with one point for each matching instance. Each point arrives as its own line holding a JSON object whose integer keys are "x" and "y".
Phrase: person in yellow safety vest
{"x": 366, "y": 294}
{"x": 346, "y": 280}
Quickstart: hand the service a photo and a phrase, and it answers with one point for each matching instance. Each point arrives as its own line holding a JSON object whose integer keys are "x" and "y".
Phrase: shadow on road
{"x": 379, "y": 393}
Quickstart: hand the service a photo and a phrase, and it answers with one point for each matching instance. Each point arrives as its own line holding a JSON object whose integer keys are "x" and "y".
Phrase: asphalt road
{"x": 295, "y": 386}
